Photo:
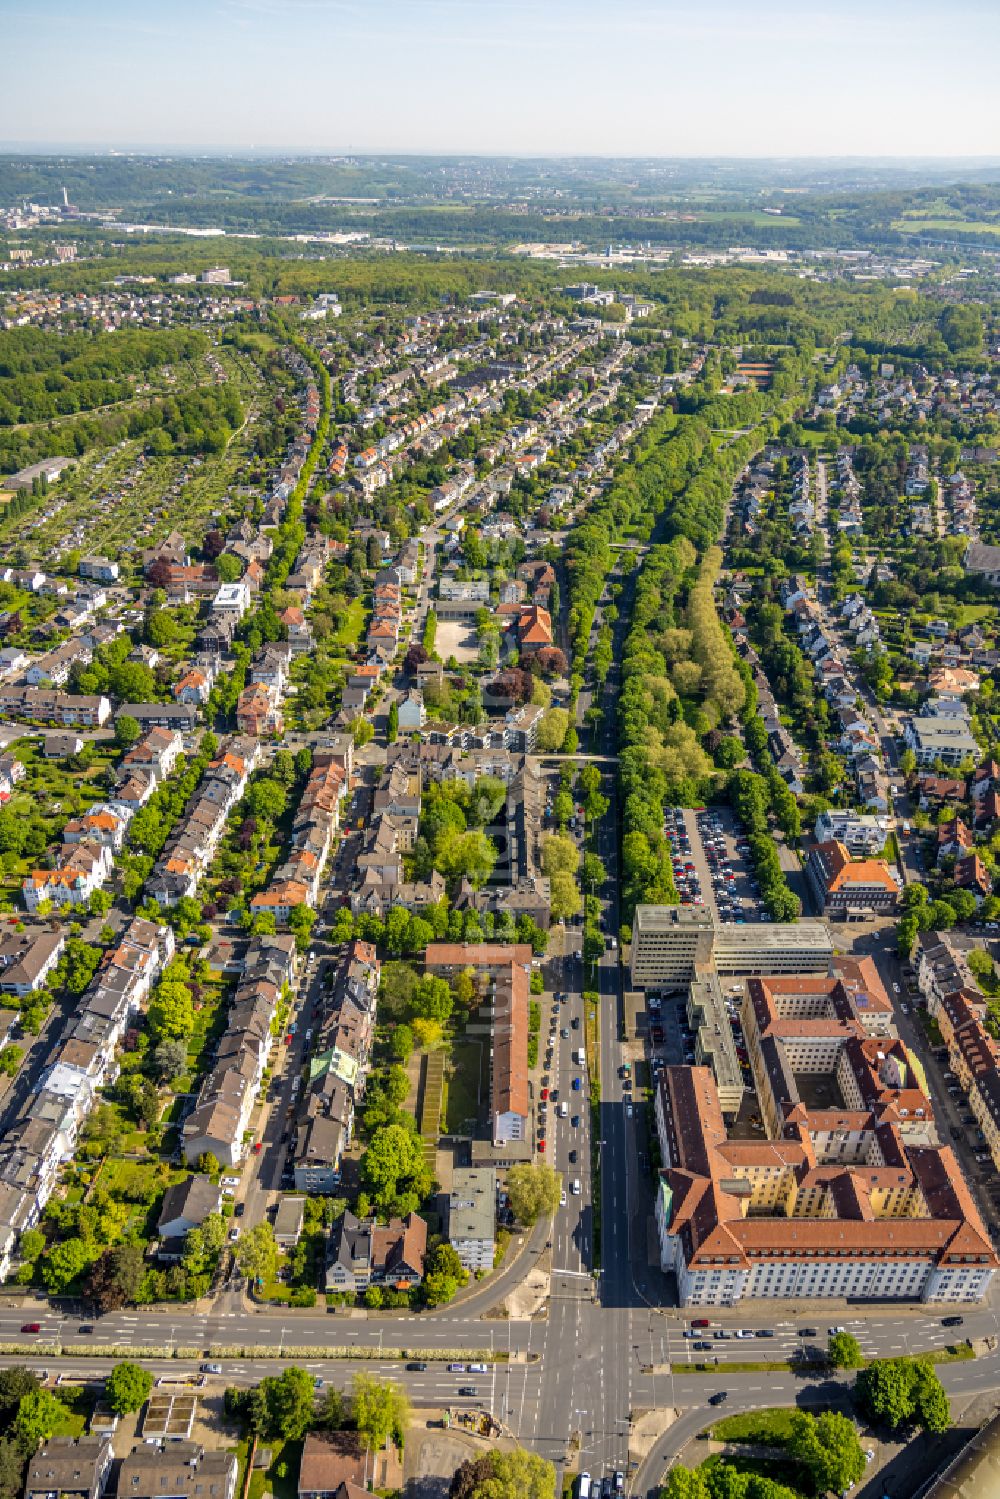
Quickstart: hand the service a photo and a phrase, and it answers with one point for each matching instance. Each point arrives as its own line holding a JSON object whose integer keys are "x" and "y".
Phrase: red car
{"x": 31, "y": 1327}
{"x": 541, "y": 1147}
{"x": 545, "y": 1092}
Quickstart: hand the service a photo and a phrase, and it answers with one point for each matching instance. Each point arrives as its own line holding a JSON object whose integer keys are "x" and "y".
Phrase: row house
{"x": 54, "y": 667}
{"x": 27, "y": 958}
{"x": 975, "y": 1060}
{"x": 317, "y": 817}
{"x": 191, "y": 847}
{"x": 149, "y": 761}
{"x": 220, "y": 1119}
{"x": 45, "y": 705}
{"x": 82, "y": 1060}
{"x": 80, "y": 868}
{"x": 339, "y": 1065}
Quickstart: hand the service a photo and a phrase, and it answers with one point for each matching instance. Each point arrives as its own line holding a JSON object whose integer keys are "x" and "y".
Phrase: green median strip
{"x": 954, "y": 1353}
{"x": 260, "y": 1350}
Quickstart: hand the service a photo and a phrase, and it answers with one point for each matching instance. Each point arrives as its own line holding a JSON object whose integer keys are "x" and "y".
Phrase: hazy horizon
{"x": 553, "y": 78}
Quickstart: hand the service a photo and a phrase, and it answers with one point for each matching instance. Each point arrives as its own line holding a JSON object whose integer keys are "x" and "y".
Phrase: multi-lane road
{"x": 609, "y": 1342}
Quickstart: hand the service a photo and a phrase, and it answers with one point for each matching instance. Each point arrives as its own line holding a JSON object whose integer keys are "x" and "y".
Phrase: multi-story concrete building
{"x": 714, "y": 1044}
{"x": 471, "y": 1217}
{"x": 672, "y": 945}
{"x": 861, "y": 833}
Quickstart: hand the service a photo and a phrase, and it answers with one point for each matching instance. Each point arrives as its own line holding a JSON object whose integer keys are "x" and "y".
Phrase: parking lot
{"x": 711, "y": 863}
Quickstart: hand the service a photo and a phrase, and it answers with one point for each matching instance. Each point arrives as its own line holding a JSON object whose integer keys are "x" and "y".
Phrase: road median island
{"x": 953, "y": 1353}
{"x": 372, "y": 1354}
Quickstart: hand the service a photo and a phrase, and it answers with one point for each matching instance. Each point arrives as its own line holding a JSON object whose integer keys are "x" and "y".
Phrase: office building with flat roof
{"x": 673, "y": 945}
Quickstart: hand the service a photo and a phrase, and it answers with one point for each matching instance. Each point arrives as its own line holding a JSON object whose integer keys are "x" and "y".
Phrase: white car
{"x": 562, "y": 1198}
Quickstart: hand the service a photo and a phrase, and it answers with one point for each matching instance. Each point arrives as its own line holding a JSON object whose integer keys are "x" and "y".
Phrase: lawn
{"x": 464, "y": 1091}
{"x": 354, "y": 622}
{"x": 79, "y": 1401}
{"x": 284, "y": 1484}
{"x": 954, "y": 226}
{"x": 970, "y": 614}
{"x": 772, "y": 1427}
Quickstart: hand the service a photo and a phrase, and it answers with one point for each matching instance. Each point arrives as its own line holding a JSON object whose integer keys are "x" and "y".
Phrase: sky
{"x": 521, "y": 77}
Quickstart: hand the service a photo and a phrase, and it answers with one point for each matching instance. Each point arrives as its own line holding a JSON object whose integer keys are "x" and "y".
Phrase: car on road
{"x": 765, "y": 1332}
{"x": 416, "y": 1367}
{"x": 833, "y": 1332}
{"x": 619, "y": 1483}
{"x": 572, "y": 1157}
{"x": 457, "y": 1369}
{"x": 562, "y": 1198}
{"x": 85, "y": 1327}
{"x": 952, "y": 1321}
{"x": 468, "y": 1390}
{"x": 576, "y": 1188}
{"x": 479, "y": 1369}
{"x": 211, "y": 1368}
{"x": 703, "y": 1347}
{"x": 31, "y": 1327}
{"x": 576, "y": 1085}
{"x": 808, "y": 1332}
{"x": 575, "y": 1121}
{"x": 745, "y": 1332}
{"x": 718, "y": 1397}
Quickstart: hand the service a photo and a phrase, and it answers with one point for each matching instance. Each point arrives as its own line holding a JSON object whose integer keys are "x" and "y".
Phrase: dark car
{"x": 240, "y": 1209}
{"x": 718, "y": 1397}
{"x": 952, "y": 1321}
{"x": 468, "y": 1389}
{"x": 572, "y": 1157}
{"x": 808, "y": 1332}
{"x": 85, "y": 1327}
{"x": 416, "y": 1368}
